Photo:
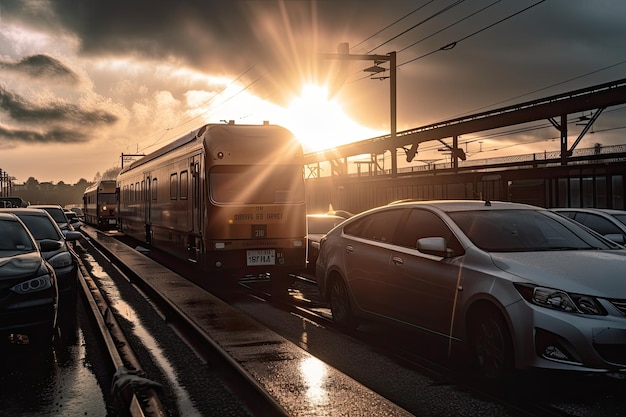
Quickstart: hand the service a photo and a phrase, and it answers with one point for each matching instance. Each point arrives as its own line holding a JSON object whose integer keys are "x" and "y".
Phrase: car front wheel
{"x": 340, "y": 304}
{"x": 490, "y": 344}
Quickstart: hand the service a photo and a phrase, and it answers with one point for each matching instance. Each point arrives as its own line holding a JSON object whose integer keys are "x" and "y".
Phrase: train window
{"x": 173, "y": 186}
{"x": 184, "y": 184}
{"x": 154, "y": 189}
{"x": 132, "y": 193}
{"x": 256, "y": 184}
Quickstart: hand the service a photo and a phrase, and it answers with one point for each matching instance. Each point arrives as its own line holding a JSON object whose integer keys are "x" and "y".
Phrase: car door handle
{"x": 397, "y": 260}
{"x": 349, "y": 249}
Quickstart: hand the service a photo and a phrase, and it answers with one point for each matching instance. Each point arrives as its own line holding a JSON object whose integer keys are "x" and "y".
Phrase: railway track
{"x": 147, "y": 397}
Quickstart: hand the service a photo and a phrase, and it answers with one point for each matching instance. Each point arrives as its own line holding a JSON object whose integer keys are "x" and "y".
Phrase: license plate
{"x": 261, "y": 257}
{"x": 112, "y": 221}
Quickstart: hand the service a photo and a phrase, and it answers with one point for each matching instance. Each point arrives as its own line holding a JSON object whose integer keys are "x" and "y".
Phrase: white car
{"x": 513, "y": 285}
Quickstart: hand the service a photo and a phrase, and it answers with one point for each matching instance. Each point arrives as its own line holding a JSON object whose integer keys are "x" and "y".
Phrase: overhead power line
{"x": 455, "y": 43}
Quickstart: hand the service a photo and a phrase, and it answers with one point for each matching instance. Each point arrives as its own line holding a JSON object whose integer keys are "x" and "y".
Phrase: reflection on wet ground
{"x": 108, "y": 286}
{"x": 53, "y": 380}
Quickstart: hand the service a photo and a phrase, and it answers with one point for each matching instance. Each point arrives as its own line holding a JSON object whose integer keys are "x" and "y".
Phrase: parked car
{"x": 73, "y": 219}
{"x": 317, "y": 226}
{"x": 79, "y": 212}
{"x": 516, "y": 286}
{"x": 12, "y": 202}
{"x": 609, "y": 223}
{"x": 63, "y": 260}
{"x": 57, "y": 213}
{"x": 28, "y": 287}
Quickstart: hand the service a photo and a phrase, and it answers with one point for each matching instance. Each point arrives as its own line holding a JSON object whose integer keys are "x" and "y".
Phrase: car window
{"x": 57, "y": 215}
{"x": 378, "y": 226}
{"x": 322, "y": 225}
{"x": 14, "y": 238}
{"x": 522, "y": 231}
{"x": 599, "y": 224}
{"x": 423, "y": 223}
{"x": 40, "y": 227}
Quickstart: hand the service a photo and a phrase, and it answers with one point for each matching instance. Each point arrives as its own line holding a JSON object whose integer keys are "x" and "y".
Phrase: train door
{"x": 194, "y": 239}
{"x": 147, "y": 201}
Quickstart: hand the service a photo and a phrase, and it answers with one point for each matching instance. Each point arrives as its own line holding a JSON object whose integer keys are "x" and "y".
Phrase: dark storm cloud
{"x": 21, "y": 110}
{"x": 49, "y": 136}
{"x": 198, "y": 30}
{"x": 41, "y": 67}
{"x": 281, "y": 38}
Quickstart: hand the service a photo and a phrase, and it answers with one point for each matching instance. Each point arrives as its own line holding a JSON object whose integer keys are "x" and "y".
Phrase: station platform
{"x": 271, "y": 361}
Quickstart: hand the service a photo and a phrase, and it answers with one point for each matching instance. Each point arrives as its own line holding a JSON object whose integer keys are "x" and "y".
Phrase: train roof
{"x": 198, "y": 135}
{"x": 101, "y": 183}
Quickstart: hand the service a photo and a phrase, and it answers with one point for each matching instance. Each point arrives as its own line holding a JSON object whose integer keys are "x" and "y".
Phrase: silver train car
{"x": 228, "y": 198}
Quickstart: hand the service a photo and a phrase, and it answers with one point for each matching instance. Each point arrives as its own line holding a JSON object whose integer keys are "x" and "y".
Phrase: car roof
{"x": 589, "y": 210}
{"x": 26, "y": 210}
{"x": 42, "y": 206}
{"x": 8, "y": 216}
{"x": 467, "y": 205}
{"x": 325, "y": 215}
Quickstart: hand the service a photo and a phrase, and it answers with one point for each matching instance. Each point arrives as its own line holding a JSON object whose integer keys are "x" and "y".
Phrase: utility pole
{"x": 343, "y": 54}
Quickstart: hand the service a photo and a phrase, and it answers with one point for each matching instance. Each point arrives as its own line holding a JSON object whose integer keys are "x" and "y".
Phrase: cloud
{"x": 22, "y": 111}
{"x": 48, "y": 136}
{"x": 41, "y": 67}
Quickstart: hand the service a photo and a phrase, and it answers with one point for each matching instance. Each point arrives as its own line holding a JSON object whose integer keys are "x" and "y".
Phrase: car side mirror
{"x": 49, "y": 245}
{"x": 71, "y": 235}
{"x": 434, "y": 246}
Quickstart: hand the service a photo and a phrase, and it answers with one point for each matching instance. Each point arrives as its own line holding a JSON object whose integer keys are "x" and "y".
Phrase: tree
{"x": 111, "y": 173}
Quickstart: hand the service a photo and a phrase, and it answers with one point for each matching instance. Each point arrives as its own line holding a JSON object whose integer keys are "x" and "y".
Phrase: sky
{"x": 83, "y": 82}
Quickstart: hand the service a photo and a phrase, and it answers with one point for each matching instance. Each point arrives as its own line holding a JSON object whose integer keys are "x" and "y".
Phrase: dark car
{"x": 57, "y": 253}
{"x": 511, "y": 286}
{"x": 73, "y": 219}
{"x": 28, "y": 286}
{"x": 57, "y": 213}
{"x": 609, "y": 223}
{"x": 317, "y": 226}
{"x": 79, "y": 212}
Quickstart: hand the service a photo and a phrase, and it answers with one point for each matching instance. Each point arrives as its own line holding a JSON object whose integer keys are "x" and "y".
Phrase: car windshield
{"x": 14, "y": 239}
{"x": 40, "y": 227}
{"x": 524, "y": 231}
{"x": 620, "y": 217}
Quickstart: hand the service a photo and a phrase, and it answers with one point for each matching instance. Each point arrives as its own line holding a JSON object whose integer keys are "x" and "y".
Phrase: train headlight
{"x": 220, "y": 155}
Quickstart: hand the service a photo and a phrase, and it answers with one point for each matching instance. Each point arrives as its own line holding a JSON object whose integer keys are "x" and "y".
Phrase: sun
{"x": 320, "y": 123}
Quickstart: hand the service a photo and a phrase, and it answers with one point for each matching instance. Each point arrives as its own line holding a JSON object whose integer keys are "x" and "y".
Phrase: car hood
{"x": 20, "y": 266}
{"x": 592, "y": 272}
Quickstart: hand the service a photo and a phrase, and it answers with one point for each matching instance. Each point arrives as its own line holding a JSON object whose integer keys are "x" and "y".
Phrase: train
{"x": 100, "y": 205}
{"x": 228, "y": 198}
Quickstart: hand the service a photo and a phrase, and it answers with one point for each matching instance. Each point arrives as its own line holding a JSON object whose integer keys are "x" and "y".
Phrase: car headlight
{"x": 40, "y": 283}
{"x": 561, "y": 300}
{"x": 61, "y": 260}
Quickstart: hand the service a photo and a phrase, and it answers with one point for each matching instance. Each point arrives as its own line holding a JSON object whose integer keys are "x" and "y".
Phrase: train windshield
{"x": 257, "y": 184}
{"x": 106, "y": 199}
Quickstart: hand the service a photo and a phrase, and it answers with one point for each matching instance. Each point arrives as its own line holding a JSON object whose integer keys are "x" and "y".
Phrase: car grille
{"x": 620, "y": 305}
